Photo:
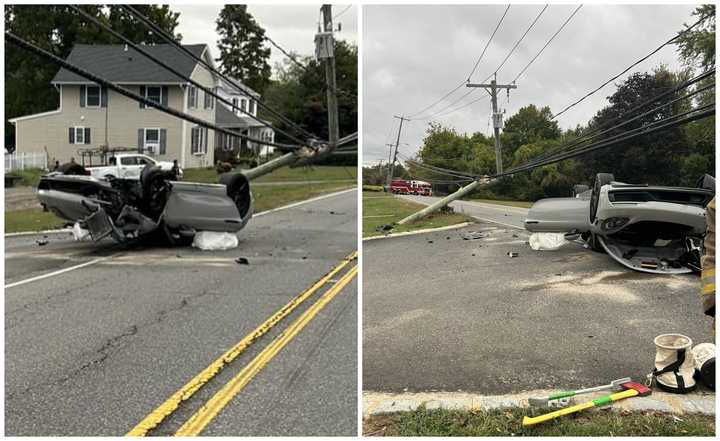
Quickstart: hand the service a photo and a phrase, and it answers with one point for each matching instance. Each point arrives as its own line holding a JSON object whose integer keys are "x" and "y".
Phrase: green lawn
{"x": 316, "y": 173}
{"x": 383, "y": 208}
{"x": 32, "y": 219}
{"x": 507, "y": 422}
{"x": 30, "y": 177}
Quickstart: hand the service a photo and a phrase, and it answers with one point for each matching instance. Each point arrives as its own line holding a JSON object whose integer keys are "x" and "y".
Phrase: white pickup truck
{"x": 127, "y": 166}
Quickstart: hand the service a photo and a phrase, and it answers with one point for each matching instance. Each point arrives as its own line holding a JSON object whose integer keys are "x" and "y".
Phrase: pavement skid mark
{"x": 158, "y": 415}
{"x": 57, "y": 273}
{"x": 197, "y": 423}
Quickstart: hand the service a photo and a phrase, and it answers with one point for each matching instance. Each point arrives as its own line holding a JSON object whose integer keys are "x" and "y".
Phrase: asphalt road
{"x": 441, "y": 313}
{"x": 94, "y": 350}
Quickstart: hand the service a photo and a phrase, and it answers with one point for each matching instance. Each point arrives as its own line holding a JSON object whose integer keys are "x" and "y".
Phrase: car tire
{"x": 600, "y": 180}
{"x": 595, "y": 244}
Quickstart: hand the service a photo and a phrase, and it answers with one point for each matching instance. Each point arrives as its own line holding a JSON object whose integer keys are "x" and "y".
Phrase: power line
{"x": 169, "y": 39}
{"x": 14, "y": 39}
{"x": 342, "y": 12}
{"x": 176, "y": 72}
{"x": 522, "y": 37}
{"x": 603, "y": 128}
{"x": 488, "y": 43}
{"x": 518, "y": 42}
{"x": 680, "y": 34}
{"x": 547, "y": 43}
{"x": 473, "y": 71}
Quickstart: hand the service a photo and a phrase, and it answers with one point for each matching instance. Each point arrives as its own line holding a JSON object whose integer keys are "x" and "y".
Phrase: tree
{"x": 57, "y": 28}
{"x": 529, "y": 124}
{"x": 243, "y": 54}
{"x": 300, "y": 92}
{"x": 651, "y": 157}
{"x": 697, "y": 47}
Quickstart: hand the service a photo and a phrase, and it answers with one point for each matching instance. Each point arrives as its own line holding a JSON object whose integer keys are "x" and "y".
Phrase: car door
{"x": 128, "y": 168}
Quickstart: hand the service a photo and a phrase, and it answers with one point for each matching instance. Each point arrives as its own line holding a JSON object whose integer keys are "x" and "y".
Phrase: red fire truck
{"x": 401, "y": 186}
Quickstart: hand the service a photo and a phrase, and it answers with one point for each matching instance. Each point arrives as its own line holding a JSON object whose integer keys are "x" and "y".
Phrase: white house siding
{"x": 124, "y": 118}
{"x": 201, "y": 76}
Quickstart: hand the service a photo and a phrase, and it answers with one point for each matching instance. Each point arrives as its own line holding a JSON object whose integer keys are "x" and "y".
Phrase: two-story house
{"x": 89, "y": 116}
{"x": 235, "y": 117}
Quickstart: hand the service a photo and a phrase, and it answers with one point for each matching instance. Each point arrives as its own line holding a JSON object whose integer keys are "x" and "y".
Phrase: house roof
{"x": 225, "y": 118}
{"x": 114, "y": 63}
{"x": 231, "y": 90}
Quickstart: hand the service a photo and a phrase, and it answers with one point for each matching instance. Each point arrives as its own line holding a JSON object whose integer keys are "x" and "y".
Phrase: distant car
{"x": 653, "y": 229}
{"x": 128, "y": 209}
{"x": 128, "y": 166}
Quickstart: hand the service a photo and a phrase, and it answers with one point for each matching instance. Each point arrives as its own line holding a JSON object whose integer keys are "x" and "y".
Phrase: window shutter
{"x": 190, "y": 96}
{"x": 141, "y": 140}
{"x": 87, "y": 135}
{"x": 82, "y": 96}
{"x": 205, "y": 132}
{"x": 103, "y": 96}
{"x": 71, "y": 136}
{"x": 164, "y": 92}
{"x": 193, "y": 139}
{"x": 142, "y": 94}
{"x": 163, "y": 141}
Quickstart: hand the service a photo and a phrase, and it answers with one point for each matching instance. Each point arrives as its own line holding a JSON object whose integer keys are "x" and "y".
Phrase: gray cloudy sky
{"x": 414, "y": 54}
{"x": 291, "y": 26}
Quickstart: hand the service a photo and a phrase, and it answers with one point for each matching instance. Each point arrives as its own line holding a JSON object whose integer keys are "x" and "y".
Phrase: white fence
{"x": 23, "y": 161}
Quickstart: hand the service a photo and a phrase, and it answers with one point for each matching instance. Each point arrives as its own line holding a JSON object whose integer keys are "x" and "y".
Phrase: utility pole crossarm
{"x": 492, "y": 88}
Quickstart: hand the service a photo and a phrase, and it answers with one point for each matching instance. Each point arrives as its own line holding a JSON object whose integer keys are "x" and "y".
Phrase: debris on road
{"x": 242, "y": 261}
{"x": 213, "y": 240}
{"x": 547, "y": 241}
{"x": 473, "y": 235}
{"x": 42, "y": 242}
{"x": 512, "y": 254}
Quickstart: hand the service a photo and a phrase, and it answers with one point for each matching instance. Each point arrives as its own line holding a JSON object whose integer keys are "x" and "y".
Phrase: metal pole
{"x": 333, "y": 126}
{"x": 441, "y": 203}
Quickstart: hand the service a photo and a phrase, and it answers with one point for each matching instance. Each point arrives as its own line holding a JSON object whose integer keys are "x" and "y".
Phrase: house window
{"x": 243, "y": 105}
{"x": 252, "y": 107}
{"x": 208, "y": 104}
{"x": 198, "y": 140}
{"x": 79, "y": 135}
{"x": 235, "y": 106}
{"x": 92, "y": 96}
{"x": 152, "y": 141}
{"x": 192, "y": 97}
{"x": 154, "y": 93}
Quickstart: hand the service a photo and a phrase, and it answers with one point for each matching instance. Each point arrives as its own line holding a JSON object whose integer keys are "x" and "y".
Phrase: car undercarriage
{"x": 654, "y": 229}
{"x": 129, "y": 209}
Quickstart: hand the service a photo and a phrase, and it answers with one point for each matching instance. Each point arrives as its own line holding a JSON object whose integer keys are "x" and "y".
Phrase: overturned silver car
{"x": 654, "y": 229}
{"x": 128, "y": 209}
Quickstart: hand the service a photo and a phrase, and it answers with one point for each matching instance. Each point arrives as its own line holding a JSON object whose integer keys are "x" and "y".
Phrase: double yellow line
{"x": 205, "y": 414}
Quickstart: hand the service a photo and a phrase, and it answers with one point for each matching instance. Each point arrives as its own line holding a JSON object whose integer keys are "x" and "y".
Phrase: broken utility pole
{"x": 391, "y": 164}
{"x": 325, "y": 49}
{"x": 492, "y": 89}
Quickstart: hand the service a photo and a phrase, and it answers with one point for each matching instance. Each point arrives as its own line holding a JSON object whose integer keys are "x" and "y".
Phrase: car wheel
{"x": 595, "y": 244}
{"x": 600, "y": 180}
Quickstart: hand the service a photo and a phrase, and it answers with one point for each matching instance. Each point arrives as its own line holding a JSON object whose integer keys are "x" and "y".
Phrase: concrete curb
{"x": 376, "y": 403}
{"x": 423, "y": 231}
